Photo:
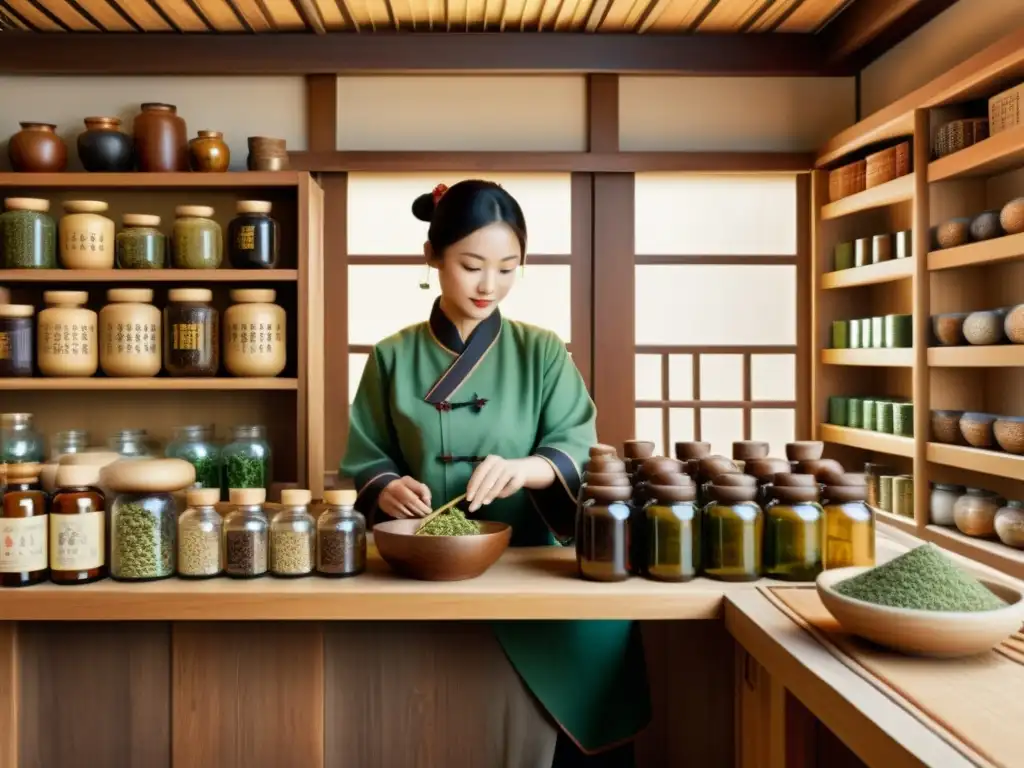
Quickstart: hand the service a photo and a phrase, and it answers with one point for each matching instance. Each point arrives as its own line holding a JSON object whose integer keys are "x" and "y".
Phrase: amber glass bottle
{"x": 793, "y": 534}
{"x": 23, "y": 528}
{"x": 733, "y": 526}
{"x": 77, "y": 526}
{"x": 602, "y": 533}
{"x": 672, "y": 533}
{"x": 849, "y": 527}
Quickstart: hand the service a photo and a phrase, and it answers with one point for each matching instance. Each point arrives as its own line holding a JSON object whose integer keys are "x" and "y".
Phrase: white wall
{"x": 955, "y": 35}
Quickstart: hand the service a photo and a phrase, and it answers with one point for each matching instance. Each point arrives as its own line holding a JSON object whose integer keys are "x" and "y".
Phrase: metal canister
{"x": 883, "y": 416}
{"x": 874, "y": 472}
{"x": 885, "y": 493}
{"x": 903, "y": 496}
{"x": 855, "y": 412}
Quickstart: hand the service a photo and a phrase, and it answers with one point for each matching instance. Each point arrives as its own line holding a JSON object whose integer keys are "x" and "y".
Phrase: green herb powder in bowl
{"x": 452, "y": 523}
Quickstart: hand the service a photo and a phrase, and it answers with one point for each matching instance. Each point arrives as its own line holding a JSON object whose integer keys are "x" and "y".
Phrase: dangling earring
{"x": 425, "y": 285}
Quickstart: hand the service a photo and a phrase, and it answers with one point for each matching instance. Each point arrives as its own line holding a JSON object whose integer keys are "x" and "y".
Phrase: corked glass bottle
{"x": 340, "y": 536}
{"x": 78, "y": 526}
{"x": 199, "y": 535}
{"x": 793, "y": 534}
{"x": 245, "y": 538}
{"x": 733, "y": 526}
{"x": 849, "y": 527}
{"x": 293, "y": 536}
{"x": 24, "y": 536}
{"x": 673, "y": 533}
{"x": 603, "y": 533}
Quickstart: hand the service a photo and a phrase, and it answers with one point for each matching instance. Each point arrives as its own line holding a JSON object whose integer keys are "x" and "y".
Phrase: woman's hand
{"x": 405, "y": 497}
{"x": 498, "y": 478}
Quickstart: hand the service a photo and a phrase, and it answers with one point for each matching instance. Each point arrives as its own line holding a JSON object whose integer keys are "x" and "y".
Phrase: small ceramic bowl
{"x": 1009, "y": 433}
{"x": 977, "y": 429}
{"x": 938, "y": 634}
{"x": 440, "y": 558}
{"x": 984, "y": 328}
{"x": 986, "y": 225}
{"x": 802, "y": 450}
{"x": 1011, "y": 218}
{"x": 950, "y": 234}
{"x": 948, "y": 328}
{"x": 1013, "y": 325}
{"x": 946, "y": 427}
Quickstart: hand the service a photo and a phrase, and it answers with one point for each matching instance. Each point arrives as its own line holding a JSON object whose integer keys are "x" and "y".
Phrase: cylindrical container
{"x": 854, "y": 334}
{"x": 209, "y": 153}
{"x": 20, "y": 442}
{"x": 340, "y": 536}
{"x": 903, "y": 419}
{"x": 862, "y": 251}
{"x": 793, "y": 534}
{"x": 37, "y": 148}
{"x": 254, "y": 238}
{"x": 942, "y": 501}
{"x": 196, "y": 240}
{"x": 673, "y": 533}
{"x": 67, "y": 342}
{"x": 131, "y": 444}
{"x": 881, "y": 248}
{"x": 24, "y": 533}
{"x": 884, "y": 416}
{"x": 161, "y": 139}
{"x": 247, "y": 458}
{"x": 870, "y": 414}
{"x": 191, "y": 333}
{"x": 103, "y": 148}
{"x": 849, "y": 528}
{"x": 885, "y": 490}
{"x": 837, "y": 410}
{"x": 877, "y": 332}
{"x": 840, "y": 334}
{"x": 603, "y": 533}
{"x": 130, "y": 334}
{"x": 195, "y": 444}
{"x": 254, "y": 334}
{"x": 78, "y": 526}
{"x": 17, "y": 343}
{"x": 293, "y": 536}
{"x": 898, "y": 332}
{"x": 67, "y": 442}
{"x": 1009, "y": 524}
{"x": 245, "y": 535}
{"x": 855, "y": 412}
{"x": 903, "y": 496}
{"x": 28, "y": 235}
{"x": 975, "y": 513}
{"x": 140, "y": 244}
{"x": 267, "y": 154}
{"x": 199, "y": 535}
{"x": 866, "y": 338}
{"x": 733, "y": 529}
{"x": 86, "y": 236}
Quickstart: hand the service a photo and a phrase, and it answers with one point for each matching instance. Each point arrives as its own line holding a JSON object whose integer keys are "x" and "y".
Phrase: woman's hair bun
{"x": 423, "y": 207}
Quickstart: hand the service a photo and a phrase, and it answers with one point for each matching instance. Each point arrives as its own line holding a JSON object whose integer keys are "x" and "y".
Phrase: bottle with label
{"x": 24, "y": 533}
{"x": 78, "y": 526}
{"x": 86, "y": 236}
{"x": 253, "y": 236}
{"x": 130, "y": 334}
{"x": 340, "y": 536}
{"x": 254, "y": 333}
{"x": 191, "y": 333}
{"x": 17, "y": 346}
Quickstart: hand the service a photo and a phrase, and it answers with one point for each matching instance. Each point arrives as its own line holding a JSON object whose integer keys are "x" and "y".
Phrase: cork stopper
{"x": 190, "y": 294}
{"x": 343, "y": 498}
{"x": 193, "y": 211}
{"x": 202, "y": 497}
{"x": 253, "y": 295}
{"x": 85, "y": 206}
{"x": 17, "y": 310}
{"x": 247, "y": 497}
{"x": 27, "y": 472}
{"x": 27, "y": 204}
{"x": 130, "y": 295}
{"x": 140, "y": 220}
{"x": 66, "y": 298}
{"x": 294, "y": 497}
{"x": 253, "y": 206}
{"x": 77, "y": 475}
{"x": 603, "y": 450}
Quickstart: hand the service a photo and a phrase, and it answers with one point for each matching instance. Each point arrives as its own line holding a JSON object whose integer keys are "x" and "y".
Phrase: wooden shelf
{"x": 228, "y": 180}
{"x": 1002, "y": 152}
{"x": 905, "y": 524}
{"x": 872, "y": 274}
{"x": 999, "y": 356}
{"x": 879, "y": 442}
{"x": 148, "y": 275}
{"x": 896, "y": 191}
{"x": 992, "y": 553}
{"x": 226, "y": 384}
{"x": 976, "y": 460}
{"x": 882, "y": 358}
{"x": 1000, "y": 249}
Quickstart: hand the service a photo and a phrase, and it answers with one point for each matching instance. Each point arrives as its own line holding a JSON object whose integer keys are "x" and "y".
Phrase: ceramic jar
{"x": 975, "y": 513}
{"x": 86, "y": 236}
{"x": 267, "y": 154}
{"x": 102, "y": 147}
{"x": 942, "y": 502}
{"x": 254, "y": 334}
{"x": 197, "y": 242}
{"x": 16, "y": 348}
{"x": 67, "y": 343}
{"x": 254, "y": 238}
{"x": 130, "y": 335}
{"x": 161, "y": 140}
{"x": 1009, "y": 524}
{"x": 37, "y": 148}
{"x": 140, "y": 244}
{"x": 28, "y": 235}
{"x": 209, "y": 153}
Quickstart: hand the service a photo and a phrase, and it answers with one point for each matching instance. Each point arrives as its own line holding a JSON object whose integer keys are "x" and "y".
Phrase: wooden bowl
{"x": 923, "y": 633}
{"x": 804, "y": 450}
{"x": 948, "y": 328}
{"x": 440, "y": 558}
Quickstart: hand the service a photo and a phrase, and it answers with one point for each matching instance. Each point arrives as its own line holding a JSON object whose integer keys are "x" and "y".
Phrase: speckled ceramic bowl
{"x": 985, "y": 328}
{"x": 948, "y": 329}
{"x": 977, "y": 429}
{"x": 946, "y": 427}
{"x": 1009, "y": 433}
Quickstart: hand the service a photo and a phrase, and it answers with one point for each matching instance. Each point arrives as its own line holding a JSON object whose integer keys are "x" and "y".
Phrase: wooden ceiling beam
{"x": 338, "y": 53}
{"x": 866, "y": 29}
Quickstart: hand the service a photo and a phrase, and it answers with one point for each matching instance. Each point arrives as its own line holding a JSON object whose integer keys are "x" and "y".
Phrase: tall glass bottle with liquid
{"x": 793, "y": 534}
{"x": 849, "y": 527}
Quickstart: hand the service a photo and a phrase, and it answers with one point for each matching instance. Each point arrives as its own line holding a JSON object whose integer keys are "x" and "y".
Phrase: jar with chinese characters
{"x": 130, "y": 334}
{"x": 66, "y": 339}
{"x": 86, "y": 236}
{"x": 254, "y": 334}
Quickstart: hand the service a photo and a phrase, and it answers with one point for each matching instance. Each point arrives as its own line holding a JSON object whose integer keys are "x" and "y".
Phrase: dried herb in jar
{"x": 451, "y": 523}
{"x": 191, "y": 333}
{"x": 245, "y": 553}
{"x": 144, "y": 543}
{"x": 199, "y": 553}
{"x": 291, "y": 553}
{"x": 246, "y": 472}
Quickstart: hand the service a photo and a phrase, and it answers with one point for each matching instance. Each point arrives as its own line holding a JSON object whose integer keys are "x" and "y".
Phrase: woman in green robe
{"x": 471, "y": 402}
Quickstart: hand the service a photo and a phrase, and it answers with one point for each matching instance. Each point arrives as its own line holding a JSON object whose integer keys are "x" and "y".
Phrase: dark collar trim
{"x": 470, "y": 354}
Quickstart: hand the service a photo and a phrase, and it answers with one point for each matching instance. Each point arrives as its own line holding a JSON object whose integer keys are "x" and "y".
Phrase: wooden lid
{"x": 606, "y": 464}
{"x": 208, "y": 134}
{"x": 789, "y": 494}
{"x": 149, "y": 475}
{"x": 671, "y": 493}
{"x": 23, "y": 472}
{"x": 603, "y": 450}
{"x": 202, "y": 497}
{"x": 341, "y": 498}
{"x": 791, "y": 480}
{"x": 606, "y": 478}
{"x": 65, "y": 298}
{"x": 130, "y": 295}
{"x": 744, "y": 450}
{"x": 98, "y": 120}
{"x": 140, "y": 220}
{"x": 712, "y": 466}
{"x": 732, "y": 494}
{"x": 77, "y": 475}
{"x": 657, "y": 465}
{"x": 246, "y": 497}
{"x": 841, "y": 494}
{"x": 765, "y": 470}
{"x": 735, "y": 480}
{"x": 672, "y": 479}
{"x": 253, "y": 206}
{"x": 296, "y": 497}
{"x": 605, "y": 494}
{"x": 96, "y": 458}
{"x": 638, "y": 449}
{"x": 193, "y": 211}
{"x": 27, "y": 204}
{"x": 17, "y": 310}
{"x": 190, "y": 294}
{"x": 692, "y": 449}
{"x": 253, "y": 295}
{"x": 85, "y": 206}
{"x": 816, "y": 466}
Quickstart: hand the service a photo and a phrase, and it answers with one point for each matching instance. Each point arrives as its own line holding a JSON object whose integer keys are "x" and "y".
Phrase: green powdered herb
{"x": 451, "y": 523}
{"x": 923, "y": 579}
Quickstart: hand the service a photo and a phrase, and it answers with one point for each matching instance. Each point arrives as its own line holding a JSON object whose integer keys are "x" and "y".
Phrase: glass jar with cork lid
{"x": 78, "y": 526}
{"x": 130, "y": 334}
{"x": 733, "y": 529}
{"x": 199, "y": 535}
{"x": 196, "y": 239}
{"x": 603, "y": 533}
{"x": 24, "y": 535}
{"x": 849, "y": 525}
{"x": 17, "y": 340}
{"x": 28, "y": 234}
{"x": 191, "y": 333}
{"x": 340, "y": 536}
{"x": 254, "y": 238}
{"x": 673, "y": 533}
{"x": 293, "y": 536}
{"x": 245, "y": 534}
{"x": 254, "y": 334}
{"x": 86, "y": 236}
{"x": 67, "y": 344}
{"x": 140, "y": 244}
{"x": 248, "y": 458}
{"x": 793, "y": 531}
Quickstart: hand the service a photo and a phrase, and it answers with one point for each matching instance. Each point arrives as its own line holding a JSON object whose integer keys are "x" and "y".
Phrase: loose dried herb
{"x": 143, "y": 543}
{"x": 245, "y": 553}
{"x": 246, "y": 472}
{"x": 451, "y": 523}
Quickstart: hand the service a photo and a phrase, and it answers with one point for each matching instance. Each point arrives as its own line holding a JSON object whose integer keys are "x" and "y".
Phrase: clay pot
{"x": 948, "y": 328}
{"x": 1011, "y": 218}
{"x": 36, "y": 148}
{"x": 1009, "y": 433}
{"x": 984, "y": 328}
{"x": 209, "y": 153}
{"x": 161, "y": 141}
{"x": 978, "y": 429}
{"x": 102, "y": 147}
{"x": 946, "y": 427}
{"x": 267, "y": 154}
{"x": 985, "y": 226}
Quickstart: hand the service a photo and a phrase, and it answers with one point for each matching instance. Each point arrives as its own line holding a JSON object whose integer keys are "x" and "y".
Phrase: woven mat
{"x": 975, "y": 704}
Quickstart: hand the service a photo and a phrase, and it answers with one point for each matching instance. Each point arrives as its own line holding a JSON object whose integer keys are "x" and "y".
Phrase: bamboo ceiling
{"x": 244, "y": 16}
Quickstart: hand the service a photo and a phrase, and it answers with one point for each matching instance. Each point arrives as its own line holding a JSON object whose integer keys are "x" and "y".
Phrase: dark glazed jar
{"x": 77, "y": 526}
{"x": 28, "y": 234}
{"x": 208, "y": 152}
{"x": 673, "y": 533}
{"x": 191, "y": 333}
{"x": 37, "y": 148}
{"x": 794, "y": 533}
{"x": 254, "y": 238}
{"x": 102, "y": 147}
{"x": 161, "y": 140}
{"x": 16, "y": 345}
{"x": 733, "y": 525}
{"x": 23, "y": 528}
{"x": 603, "y": 533}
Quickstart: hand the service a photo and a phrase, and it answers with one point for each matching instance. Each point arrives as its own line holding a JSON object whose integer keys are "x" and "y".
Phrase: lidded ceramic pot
{"x": 254, "y": 334}
{"x": 140, "y": 244}
{"x": 86, "y": 237}
{"x": 37, "y": 148}
{"x": 209, "y": 153}
{"x": 102, "y": 147}
{"x": 196, "y": 239}
{"x": 130, "y": 334}
{"x": 28, "y": 236}
{"x": 254, "y": 238}
{"x": 161, "y": 140}
{"x": 67, "y": 340}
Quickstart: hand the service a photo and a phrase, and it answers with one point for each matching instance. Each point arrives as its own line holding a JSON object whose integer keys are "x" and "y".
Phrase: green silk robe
{"x": 427, "y": 405}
